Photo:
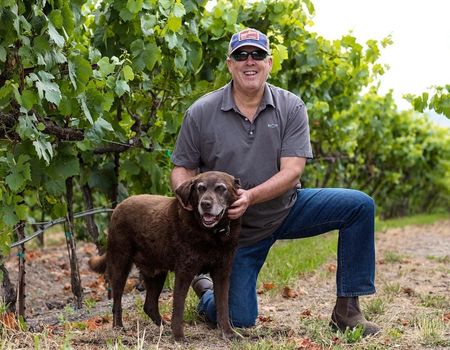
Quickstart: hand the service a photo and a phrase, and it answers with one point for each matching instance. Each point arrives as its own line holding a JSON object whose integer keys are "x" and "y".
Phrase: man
{"x": 259, "y": 133}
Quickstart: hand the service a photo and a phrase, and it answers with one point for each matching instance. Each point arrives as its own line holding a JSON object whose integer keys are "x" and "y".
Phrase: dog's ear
{"x": 183, "y": 194}
{"x": 236, "y": 183}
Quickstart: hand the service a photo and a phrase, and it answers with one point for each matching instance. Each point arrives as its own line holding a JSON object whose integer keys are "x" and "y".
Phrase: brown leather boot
{"x": 201, "y": 283}
{"x": 346, "y": 313}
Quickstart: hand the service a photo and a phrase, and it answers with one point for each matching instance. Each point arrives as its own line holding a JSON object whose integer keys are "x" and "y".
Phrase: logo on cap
{"x": 249, "y": 34}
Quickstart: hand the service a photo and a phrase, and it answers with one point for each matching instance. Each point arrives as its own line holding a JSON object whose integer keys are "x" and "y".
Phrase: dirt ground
{"x": 413, "y": 282}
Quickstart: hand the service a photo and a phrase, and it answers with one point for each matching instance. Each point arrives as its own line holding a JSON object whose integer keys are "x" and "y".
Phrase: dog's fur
{"x": 188, "y": 235}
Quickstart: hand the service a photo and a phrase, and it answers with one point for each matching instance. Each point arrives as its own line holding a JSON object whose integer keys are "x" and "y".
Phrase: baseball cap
{"x": 250, "y": 37}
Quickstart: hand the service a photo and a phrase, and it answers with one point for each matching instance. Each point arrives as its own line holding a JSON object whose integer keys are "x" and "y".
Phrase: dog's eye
{"x": 201, "y": 188}
{"x": 220, "y": 188}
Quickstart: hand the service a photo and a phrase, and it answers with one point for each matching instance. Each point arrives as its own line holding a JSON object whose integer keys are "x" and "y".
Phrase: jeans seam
{"x": 311, "y": 227}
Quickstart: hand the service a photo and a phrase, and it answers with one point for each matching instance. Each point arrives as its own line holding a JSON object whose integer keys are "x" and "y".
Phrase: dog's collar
{"x": 223, "y": 229}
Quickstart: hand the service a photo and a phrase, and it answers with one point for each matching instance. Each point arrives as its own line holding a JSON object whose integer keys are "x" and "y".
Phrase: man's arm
{"x": 180, "y": 175}
{"x": 291, "y": 169}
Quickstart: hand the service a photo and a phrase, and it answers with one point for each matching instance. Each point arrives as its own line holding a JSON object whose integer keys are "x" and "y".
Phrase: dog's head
{"x": 208, "y": 195}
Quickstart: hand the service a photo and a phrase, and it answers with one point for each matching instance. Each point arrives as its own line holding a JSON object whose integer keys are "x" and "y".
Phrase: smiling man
{"x": 259, "y": 133}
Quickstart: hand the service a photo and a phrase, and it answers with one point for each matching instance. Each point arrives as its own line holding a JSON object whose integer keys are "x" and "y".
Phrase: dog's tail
{"x": 98, "y": 263}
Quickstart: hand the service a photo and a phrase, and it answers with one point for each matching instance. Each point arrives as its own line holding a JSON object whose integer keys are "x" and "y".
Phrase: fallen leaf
{"x": 98, "y": 284}
{"x": 305, "y": 344}
{"x": 446, "y": 317}
{"x": 331, "y": 267}
{"x": 289, "y": 293}
{"x": 9, "y": 320}
{"x": 33, "y": 255}
{"x": 95, "y": 323}
{"x": 336, "y": 340}
{"x": 408, "y": 291}
{"x": 130, "y": 285}
{"x": 265, "y": 319}
{"x": 306, "y": 313}
{"x": 268, "y": 285}
{"x": 404, "y": 323}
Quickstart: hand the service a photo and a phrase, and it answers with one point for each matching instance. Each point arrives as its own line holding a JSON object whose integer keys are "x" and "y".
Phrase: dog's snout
{"x": 206, "y": 204}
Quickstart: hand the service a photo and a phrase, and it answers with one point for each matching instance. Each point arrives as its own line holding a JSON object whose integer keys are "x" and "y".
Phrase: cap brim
{"x": 248, "y": 44}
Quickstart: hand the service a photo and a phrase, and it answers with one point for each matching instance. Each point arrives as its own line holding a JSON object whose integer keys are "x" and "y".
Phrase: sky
{"x": 420, "y": 54}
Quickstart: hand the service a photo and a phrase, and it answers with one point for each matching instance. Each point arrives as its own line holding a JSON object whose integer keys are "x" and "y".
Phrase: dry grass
{"x": 412, "y": 307}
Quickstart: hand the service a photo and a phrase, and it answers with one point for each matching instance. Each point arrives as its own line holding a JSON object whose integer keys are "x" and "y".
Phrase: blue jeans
{"x": 316, "y": 211}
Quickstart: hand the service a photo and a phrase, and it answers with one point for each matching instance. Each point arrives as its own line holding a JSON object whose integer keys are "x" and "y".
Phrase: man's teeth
{"x": 250, "y": 73}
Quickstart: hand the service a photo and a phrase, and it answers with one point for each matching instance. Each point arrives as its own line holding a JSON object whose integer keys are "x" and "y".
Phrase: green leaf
{"x": 22, "y": 211}
{"x": 101, "y": 126}
{"x": 29, "y": 99}
{"x": 121, "y": 87}
{"x": 9, "y": 217}
{"x": 82, "y": 100}
{"x": 174, "y": 23}
{"x": 105, "y": 68}
{"x": 46, "y": 88}
{"x": 80, "y": 71}
{"x": 180, "y": 58}
{"x": 57, "y": 38}
{"x": 128, "y": 73}
{"x": 144, "y": 55}
{"x": 15, "y": 181}
{"x": 65, "y": 167}
{"x": 172, "y": 40}
{"x": 68, "y": 20}
{"x": 279, "y": 54}
{"x": 179, "y": 10}
{"x": 134, "y": 6}
{"x": 108, "y": 100}
{"x": 147, "y": 24}
{"x": 56, "y": 18}
{"x": 19, "y": 175}
{"x": 26, "y": 128}
{"x": 43, "y": 149}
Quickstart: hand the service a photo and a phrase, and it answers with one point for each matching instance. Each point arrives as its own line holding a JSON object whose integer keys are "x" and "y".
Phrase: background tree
{"x": 95, "y": 92}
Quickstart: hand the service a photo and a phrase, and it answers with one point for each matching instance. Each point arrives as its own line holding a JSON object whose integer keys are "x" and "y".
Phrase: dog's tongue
{"x": 208, "y": 218}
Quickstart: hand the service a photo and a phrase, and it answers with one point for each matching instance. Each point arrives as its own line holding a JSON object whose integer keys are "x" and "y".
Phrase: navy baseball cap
{"x": 251, "y": 37}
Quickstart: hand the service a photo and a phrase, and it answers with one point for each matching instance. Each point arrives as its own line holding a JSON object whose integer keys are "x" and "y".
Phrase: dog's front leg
{"x": 221, "y": 281}
{"x": 182, "y": 283}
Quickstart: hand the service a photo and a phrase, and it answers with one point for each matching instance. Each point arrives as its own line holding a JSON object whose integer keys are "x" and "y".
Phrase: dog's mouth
{"x": 209, "y": 220}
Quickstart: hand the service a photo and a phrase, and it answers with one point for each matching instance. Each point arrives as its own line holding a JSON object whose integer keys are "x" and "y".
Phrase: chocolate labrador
{"x": 188, "y": 235}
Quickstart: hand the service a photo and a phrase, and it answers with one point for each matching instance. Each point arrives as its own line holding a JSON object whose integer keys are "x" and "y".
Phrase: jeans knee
{"x": 362, "y": 202}
{"x": 367, "y": 202}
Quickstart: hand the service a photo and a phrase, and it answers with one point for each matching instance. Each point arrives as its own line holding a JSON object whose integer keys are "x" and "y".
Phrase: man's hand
{"x": 239, "y": 207}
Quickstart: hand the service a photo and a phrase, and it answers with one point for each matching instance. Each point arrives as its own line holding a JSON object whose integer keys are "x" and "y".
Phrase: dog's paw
{"x": 232, "y": 335}
{"x": 180, "y": 339}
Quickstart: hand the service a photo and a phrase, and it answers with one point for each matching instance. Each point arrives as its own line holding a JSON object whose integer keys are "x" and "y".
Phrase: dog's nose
{"x": 206, "y": 204}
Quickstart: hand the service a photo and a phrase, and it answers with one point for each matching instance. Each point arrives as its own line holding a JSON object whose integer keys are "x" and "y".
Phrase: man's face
{"x": 249, "y": 75}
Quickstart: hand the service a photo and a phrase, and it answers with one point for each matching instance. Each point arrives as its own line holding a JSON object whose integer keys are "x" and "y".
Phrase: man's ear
{"x": 183, "y": 194}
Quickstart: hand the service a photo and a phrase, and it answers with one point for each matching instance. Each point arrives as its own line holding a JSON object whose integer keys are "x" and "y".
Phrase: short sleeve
{"x": 187, "y": 147}
{"x": 296, "y": 139}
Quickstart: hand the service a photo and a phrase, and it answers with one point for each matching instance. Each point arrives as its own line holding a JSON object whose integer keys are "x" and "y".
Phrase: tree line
{"x": 92, "y": 95}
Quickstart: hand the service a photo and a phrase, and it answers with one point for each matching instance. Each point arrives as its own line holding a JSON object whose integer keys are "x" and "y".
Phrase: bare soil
{"x": 413, "y": 282}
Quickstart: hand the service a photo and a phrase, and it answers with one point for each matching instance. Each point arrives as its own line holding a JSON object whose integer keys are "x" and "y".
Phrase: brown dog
{"x": 189, "y": 236}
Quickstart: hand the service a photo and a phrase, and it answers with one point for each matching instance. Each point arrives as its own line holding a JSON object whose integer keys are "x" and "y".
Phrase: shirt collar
{"x": 229, "y": 104}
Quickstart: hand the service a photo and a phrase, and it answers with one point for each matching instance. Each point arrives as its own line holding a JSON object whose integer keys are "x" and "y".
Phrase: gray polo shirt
{"x": 215, "y": 136}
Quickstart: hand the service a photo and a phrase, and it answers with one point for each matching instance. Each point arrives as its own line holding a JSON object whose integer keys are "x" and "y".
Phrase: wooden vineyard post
{"x": 21, "y": 277}
{"x": 75, "y": 279}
